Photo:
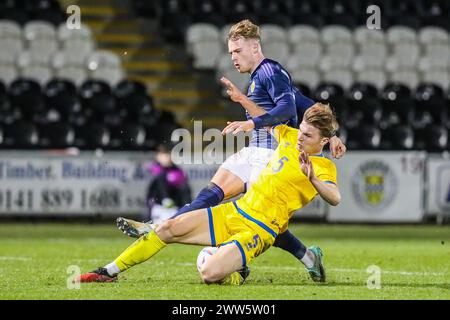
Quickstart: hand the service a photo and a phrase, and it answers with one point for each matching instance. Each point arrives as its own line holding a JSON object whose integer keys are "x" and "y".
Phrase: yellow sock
{"x": 141, "y": 250}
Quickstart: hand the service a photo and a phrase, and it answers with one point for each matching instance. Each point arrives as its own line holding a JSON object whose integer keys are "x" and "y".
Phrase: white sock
{"x": 308, "y": 259}
{"x": 113, "y": 269}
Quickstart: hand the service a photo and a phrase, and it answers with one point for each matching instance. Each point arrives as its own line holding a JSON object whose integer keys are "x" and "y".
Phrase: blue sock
{"x": 287, "y": 241}
{"x": 210, "y": 196}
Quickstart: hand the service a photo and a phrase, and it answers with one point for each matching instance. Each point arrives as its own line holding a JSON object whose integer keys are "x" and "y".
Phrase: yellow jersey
{"x": 282, "y": 188}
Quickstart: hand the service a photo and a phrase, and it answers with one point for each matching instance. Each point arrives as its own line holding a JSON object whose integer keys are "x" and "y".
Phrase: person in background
{"x": 169, "y": 190}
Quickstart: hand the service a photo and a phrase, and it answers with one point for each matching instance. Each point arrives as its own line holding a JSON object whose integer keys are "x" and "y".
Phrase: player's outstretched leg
{"x": 191, "y": 228}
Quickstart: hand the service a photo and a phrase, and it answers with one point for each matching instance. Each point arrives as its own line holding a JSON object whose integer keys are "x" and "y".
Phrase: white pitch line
{"x": 405, "y": 273}
{"x": 14, "y": 258}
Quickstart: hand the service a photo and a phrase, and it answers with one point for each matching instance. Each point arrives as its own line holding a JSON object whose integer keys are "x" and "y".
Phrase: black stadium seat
{"x": 92, "y": 136}
{"x": 21, "y": 135}
{"x": 56, "y": 135}
{"x": 430, "y": 105}
{"x": 398, "y": 137}
{"x": 97, "y": 96}
{"x": 127, "y": 87}
{"x": 365, "y": 137}
{"x": 26, "y": 95}
{"x": 432, "y": 138}
{"x": 62, "y": 96}
{"x": 127, "y": 136}
{"x": 398, "y": 105}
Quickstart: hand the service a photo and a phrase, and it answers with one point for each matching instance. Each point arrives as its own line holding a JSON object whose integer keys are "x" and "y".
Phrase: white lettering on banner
{"x": 35, "y": 183}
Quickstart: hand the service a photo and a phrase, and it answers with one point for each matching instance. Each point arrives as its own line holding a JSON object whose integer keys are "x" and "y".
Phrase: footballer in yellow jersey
{"x": 247, "y": 227}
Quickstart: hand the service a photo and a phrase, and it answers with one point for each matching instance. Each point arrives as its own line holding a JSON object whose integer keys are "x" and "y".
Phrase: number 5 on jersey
{"x": 281, "y": 162}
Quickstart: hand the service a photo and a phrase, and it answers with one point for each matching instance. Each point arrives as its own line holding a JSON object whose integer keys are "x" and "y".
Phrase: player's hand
{"x": 337, "y": 147}
{"x": 238, "y": 126}
{"x": 305, "y": 164}
{"x": 232, "y": 91}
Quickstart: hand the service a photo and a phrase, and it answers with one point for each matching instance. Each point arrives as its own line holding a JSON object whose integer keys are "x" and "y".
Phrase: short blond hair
{"x": 322, "y": 117}
{"x": 244, "y": 29}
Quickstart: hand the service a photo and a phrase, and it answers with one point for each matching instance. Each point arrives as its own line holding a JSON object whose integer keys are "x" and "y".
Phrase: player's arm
{"x": 328, "y": 191}
{"x": 284, "y": 110}
{"x": 237, "y": 96}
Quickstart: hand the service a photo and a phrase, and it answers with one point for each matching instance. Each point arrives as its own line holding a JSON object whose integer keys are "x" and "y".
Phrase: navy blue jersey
{"x": 271, "y": 88}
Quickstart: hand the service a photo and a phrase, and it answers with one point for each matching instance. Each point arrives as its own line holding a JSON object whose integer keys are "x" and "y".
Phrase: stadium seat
{"x": 433, "y": 35}
{"x": 306, "y": 76}
{"x": 68, "y": 58}
{"x": 362, "y": 35}
{"x": 400, "y": 137}
{"x": 306, "y": 55}
{"x": 137, "y": 106}
{"x": 56, "y": 135}
{"x": 332, "y": 34}
{"x": 92, "y": 136}
{"x": 329, "y": 92}
{"x": 362, "y": 63}
{"x": 376, "y": 77}
{"x": 127, "y": 88}
{"x": 301, "y": 33}
{"x": 38, "y": 30}
{"x": 10, "y": 29}
{"x": 432, "y": 138}
{"x": 44, "y": 47}
{"x": 428, "y": 64}
{"x": 62, "y": 96}
{"x": 64, "y": 34}
{"x": 362, "y": 91}
{"x": 74, "y": 74}
{"x": 102, "y": 58}
{"x": 362, "y": 112}
{"x": 128, "y": 136}
{"x": 97, "y": 96}
{"x": 409, "y": 78}
{"x": 339, "y": 75}
{"x": 373, "y": 50}
{"x": 439, "y": 77}
{"x": 207, "y": 11}
{"x": 11, "y": 46}
{"x": 367, "y": 137}
{"x": 400, "y": 34}
{"x": 398, "y": 106}
{"x": 40, "y": 74}
{"x": 430, "y": 105}
{"x": 199, "y": 32}
{"x": 112, "y": 76}
{"x": 26, "y": 95}
{"x": 83, "y": 47}
{"x": 21, "y": 135}
{"x": 206, "y": 53}
{"x": 8, "y": 74}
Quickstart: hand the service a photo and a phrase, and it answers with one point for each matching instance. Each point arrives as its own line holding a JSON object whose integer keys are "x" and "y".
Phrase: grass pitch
{"x": 414, "y": 262}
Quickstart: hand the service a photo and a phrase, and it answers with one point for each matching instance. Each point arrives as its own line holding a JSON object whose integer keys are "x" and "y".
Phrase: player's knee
{"x": 212, "y": 273}
{"x": 167, "y": 231}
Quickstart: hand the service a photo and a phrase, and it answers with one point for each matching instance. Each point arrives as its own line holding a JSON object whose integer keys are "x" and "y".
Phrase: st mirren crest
{"x": 252, "y": 86}
{"x": 374, "y": 186}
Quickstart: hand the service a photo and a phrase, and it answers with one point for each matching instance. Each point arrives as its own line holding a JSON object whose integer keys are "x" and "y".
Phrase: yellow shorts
{"x": 229, "y": 224}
